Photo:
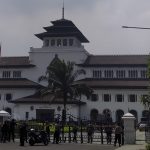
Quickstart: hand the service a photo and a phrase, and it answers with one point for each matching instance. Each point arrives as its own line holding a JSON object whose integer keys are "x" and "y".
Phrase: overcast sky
{"x": 100, "y": 21}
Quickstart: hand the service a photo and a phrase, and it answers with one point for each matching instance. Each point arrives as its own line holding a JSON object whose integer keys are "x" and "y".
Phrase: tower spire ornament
{"x": 63, "y": 10}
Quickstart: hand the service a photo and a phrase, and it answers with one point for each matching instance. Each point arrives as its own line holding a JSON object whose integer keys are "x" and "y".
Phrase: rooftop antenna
{"x": 63, "y": 10}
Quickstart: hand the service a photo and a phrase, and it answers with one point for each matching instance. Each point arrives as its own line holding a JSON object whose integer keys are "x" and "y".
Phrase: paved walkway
{"x": 132, "y": 147}
{"x": 140, "y": 145}
{"x": 69, "y": 146}
{"x": 72, "y": 146}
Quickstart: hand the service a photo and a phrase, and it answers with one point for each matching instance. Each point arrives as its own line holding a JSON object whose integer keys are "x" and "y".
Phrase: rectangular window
{"x": 94, "y": 97}
{"x": 64, "y": 42}
{"x": 119, "y": 98}
{"x": 16, "y": 74}
{"x": 97, "y": 74}
{"x": 106, "y": 97}
{"x": 27, "y": 115}
{"x": 8, "y": 96}
{"x": 58, "y": 42}
{"x": 108, "y": 73}
{"x": 6, "y": 74}
{"x": 132, "y": 98}
{"x": 52, "y": 42}
{"x": 46, "y": 42}
{"x": 120, "y": 73}
{"x": 70, "y": 42}
{"x": 143, "y": 74}
{"x": 132, "y": 73}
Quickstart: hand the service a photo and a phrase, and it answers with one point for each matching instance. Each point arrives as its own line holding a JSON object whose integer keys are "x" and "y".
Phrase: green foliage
{"x": 147, "y": 147}
{"x": 145, "y": 99}
{"x": 62, "y": 81}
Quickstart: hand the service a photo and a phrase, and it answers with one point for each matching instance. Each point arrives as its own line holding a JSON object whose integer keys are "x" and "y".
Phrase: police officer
{"x": 118, "y": 132}
{"x": 90, "y": 132}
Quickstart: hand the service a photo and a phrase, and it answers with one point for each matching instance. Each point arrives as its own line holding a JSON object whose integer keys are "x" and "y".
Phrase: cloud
{"x": 99, "y": 20}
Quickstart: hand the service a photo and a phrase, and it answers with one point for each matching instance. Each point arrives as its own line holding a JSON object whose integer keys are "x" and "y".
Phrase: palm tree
{"x": 62, "y": 78}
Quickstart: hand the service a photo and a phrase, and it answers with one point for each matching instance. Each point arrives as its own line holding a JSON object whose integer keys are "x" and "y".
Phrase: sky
{"x": 100, "y": 21}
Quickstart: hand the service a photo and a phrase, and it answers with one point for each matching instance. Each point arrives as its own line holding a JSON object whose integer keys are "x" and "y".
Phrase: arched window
{"x": 119, "y": 114}
{"x": 107, "y": 116}
{"x": 134, "y": 112}
{"x": 107, "y": 112}
{"x": 94, "y": 114}
{"x": 145, "y": 113}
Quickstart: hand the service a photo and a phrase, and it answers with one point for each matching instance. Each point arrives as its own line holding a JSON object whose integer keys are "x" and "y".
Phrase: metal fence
{"x": 66, "y": 135}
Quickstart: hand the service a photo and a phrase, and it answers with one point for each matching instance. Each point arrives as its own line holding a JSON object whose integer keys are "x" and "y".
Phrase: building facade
{"x": 118, "y": 81}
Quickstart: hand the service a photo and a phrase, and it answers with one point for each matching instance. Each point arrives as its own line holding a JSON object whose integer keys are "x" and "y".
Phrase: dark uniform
{"x": 22, "y": 132}
{"x": 48, "y": 131}
{"x": 4, "y": 131}
{"x": 108, "y": 131}
{"x": 75, "y": 130}
{"x": 90, "y": 132}
{"x": 118, "y": 132}
{"x": 12, "y": 130}
{"x": 56, "y": 134}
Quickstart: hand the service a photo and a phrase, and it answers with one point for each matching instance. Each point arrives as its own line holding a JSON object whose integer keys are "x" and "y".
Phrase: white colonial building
{"x": 118, "y": 81}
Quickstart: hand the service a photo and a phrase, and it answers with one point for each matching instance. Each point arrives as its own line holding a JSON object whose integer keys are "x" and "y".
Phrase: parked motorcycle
{"x": 37, "y": 137}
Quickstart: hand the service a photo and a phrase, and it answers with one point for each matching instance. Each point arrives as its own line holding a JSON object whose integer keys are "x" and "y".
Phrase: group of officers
{"x": 8, "y": 132}
{"x": 118, "y": 131}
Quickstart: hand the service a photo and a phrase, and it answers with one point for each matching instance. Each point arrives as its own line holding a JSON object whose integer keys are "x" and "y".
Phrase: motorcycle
{"x": 37, "y": 137}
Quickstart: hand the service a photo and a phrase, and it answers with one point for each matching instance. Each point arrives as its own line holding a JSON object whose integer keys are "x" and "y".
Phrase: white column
{"x": 129, "y": 128}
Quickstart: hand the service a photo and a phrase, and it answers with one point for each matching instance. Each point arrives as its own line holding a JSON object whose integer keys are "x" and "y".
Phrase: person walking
{"x": 108, "y": 130}
{"x": 12, "y": 125}
{"x": 118, "y": 132}
{"x": 4, "y": 131}
{"x": 90, "y": 132}
{"x": 48, "y": 131}
{"x": 22, "y": 133}
{"x": 75, "y": 130}
{"x": 56, "y": 134}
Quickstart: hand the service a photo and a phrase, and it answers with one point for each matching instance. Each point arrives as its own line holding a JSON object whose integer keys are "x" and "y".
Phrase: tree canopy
{"x": 62, "y": 77}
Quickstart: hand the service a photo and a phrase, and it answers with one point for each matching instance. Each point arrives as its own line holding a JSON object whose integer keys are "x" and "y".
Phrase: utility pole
{"x": 135, "y": 27}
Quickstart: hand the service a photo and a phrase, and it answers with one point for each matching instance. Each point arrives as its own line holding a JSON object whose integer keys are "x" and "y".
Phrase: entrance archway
{"x": 119, "y": 114}
{"x": 8, "y": 110}
{"x": 94, "y": 115}
{"x": 134, "y": 113}
{"x": 107, "y": 112}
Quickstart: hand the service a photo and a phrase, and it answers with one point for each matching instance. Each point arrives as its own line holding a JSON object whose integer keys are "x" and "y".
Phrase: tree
{"x": 145, "y": 99}
{"x": 62, "y": 77}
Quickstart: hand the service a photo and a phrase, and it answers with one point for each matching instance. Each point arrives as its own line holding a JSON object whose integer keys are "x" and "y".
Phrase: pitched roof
{"x": 18, "y": 83}
{"x": 116, "y": 60}
{"x": 62, "y": 28}
{"x": 116, "y": 84}
{"x": 15, "y": 62}
{"x": 49, "y": 99}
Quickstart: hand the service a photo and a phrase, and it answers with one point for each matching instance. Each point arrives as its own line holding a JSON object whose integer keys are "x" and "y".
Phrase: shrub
{"x": 147, "y": 147}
